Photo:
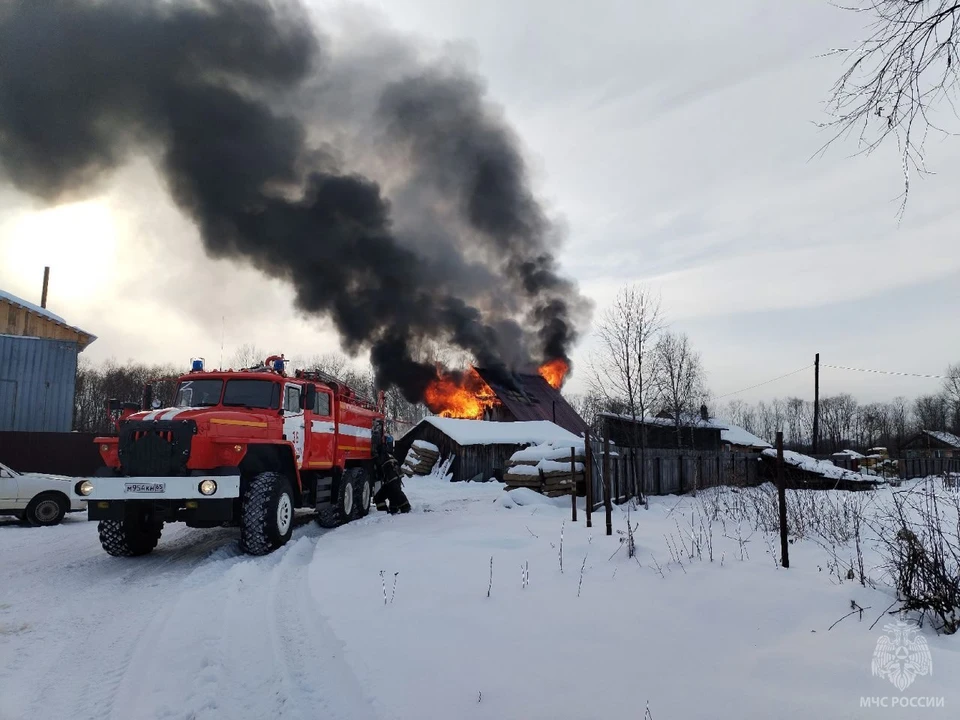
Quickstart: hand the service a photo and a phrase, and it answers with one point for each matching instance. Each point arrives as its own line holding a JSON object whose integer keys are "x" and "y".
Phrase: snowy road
{"x": 194, "y": 630}
{"x": 197, "y": 630}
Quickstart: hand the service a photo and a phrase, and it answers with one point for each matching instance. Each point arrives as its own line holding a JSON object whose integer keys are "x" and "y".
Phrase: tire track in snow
{"x": 316, "y": 675}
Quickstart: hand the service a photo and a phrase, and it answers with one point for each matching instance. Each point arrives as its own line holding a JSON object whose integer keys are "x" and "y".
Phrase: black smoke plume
{"x": 229, "y": 99}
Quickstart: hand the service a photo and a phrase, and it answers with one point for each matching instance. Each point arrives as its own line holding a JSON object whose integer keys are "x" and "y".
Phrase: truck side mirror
{"x": 113, "y": 405}
{"x": 308, "y": 398}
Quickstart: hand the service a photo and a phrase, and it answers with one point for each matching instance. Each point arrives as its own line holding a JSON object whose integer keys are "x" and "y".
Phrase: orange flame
{"x": 554, "y": 371}
{"x": 459, "y": 395}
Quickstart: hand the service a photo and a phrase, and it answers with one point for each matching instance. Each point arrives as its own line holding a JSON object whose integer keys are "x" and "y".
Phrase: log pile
{"x": 421, "y": 459}
{"x": 550, "y": 474}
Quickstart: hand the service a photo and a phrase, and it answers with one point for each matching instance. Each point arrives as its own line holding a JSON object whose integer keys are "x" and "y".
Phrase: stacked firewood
{"x": 546, "y": 469}
{"x": 420, "y": 459}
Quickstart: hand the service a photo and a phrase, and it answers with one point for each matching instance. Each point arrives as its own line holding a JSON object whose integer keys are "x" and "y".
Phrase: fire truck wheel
{"x": 364, "y": 493}
{"x": 135, "y": 535}
{"x": 347, "y": 497}
{"x": 266, "y": 517}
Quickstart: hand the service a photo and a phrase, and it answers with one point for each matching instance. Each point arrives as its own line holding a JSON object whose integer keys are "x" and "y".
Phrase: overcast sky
{"x": 674, "y": 140}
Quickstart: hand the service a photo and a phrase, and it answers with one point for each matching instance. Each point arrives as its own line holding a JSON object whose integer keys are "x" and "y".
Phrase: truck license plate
{"x": 145, "y": 487}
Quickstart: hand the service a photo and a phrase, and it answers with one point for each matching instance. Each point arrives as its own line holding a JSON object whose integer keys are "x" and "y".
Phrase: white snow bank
{"x": 424, "y": 445}
{"x": 483, "y": 432}
{"x": 853, "y": 454}
{"x": 525, "y": 497}
{"x": 822, "y": 467}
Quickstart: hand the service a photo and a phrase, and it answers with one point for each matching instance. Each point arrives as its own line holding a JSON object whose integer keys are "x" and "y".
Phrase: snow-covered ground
{"x": 197, "y": 630}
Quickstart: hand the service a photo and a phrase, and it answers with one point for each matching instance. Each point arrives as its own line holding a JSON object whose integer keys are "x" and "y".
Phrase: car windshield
{"x": 198, "y": 393}
{"x": 252, "y": 393}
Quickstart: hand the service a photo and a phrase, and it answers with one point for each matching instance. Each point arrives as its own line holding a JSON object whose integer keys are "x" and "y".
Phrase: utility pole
{"x": 816, "y": 402}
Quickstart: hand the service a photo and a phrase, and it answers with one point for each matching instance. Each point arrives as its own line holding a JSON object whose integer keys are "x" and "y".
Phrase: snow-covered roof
{"x": 44, "y": 313}
{"x": 853, "y": 454}
{"x": 944, "y": 437}
{"x": 821, "y": 467}
{"x": 738, "y": 436}
{"x": 484, "y": 432}
{"x": 729, "y": 433}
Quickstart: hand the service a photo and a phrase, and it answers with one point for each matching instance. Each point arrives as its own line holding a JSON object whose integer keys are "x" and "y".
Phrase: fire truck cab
{"x": 237, "y": 447}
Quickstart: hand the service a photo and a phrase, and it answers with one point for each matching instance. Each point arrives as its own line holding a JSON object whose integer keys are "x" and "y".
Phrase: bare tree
{"x": 680, "y": 377}
{"x": 951, "y": 389}
{"x": 247, "y": 355}
{"x": 838, "y": 415}
{"x": 799, "y": 422}
{"x": 894, "y": 79}
{"x": 931, "y": 412}
{"x": 623, "y": 370}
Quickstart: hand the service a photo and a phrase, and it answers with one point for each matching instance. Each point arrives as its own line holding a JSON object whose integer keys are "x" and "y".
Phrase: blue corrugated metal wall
{"x": 37, "y": 384}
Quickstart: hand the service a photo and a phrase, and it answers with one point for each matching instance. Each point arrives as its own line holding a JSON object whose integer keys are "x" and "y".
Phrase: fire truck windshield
{"x": 252, "y": 393}
{"x": 198, "y": 393}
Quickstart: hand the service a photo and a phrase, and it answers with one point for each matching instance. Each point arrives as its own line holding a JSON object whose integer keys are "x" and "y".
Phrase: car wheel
{"x": 46, "y": 509}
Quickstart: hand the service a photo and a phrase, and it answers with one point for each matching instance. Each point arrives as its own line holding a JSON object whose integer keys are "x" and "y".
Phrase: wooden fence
{"x": 666, "y": 472}
{"x": 924, "y": 467}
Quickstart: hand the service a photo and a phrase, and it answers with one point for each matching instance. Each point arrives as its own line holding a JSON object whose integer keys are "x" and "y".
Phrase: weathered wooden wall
{"x": 17, "y": 320}
{"x": 665, "y": 472}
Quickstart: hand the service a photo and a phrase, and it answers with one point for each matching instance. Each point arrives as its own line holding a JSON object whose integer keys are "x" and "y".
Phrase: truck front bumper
{"x": 161, "y": 488}
{"x": 169, "y": 499}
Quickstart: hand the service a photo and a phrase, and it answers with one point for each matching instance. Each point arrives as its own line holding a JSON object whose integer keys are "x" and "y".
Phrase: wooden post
{"x": 588, "y": 476}
{"x": 816, "y": 403}
{"x": 608, "y": 508}
{"x": 782, "y": 502}
{"x": 573, "y": 484}
{"x": 46, "y": 282}
{"x": 616, "y": 475}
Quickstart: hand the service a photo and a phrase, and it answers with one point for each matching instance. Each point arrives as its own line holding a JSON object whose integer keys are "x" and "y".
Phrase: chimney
{"x": 703, "y": 412}
{"x": 46, "y": 281}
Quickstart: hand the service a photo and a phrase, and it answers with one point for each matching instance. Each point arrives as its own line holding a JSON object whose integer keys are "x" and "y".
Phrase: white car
{"x": 37, "y": 498}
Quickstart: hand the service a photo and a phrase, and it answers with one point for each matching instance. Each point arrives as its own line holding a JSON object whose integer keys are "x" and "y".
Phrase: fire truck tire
{"x": 343, "y": 506}
{"x": 364, "y": 493}
{"x": 133, "y": 536}
{"x": 266, "y": 516}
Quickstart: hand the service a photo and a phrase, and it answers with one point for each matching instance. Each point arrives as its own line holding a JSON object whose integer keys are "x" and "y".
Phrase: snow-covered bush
{"x": 919, "y": 536}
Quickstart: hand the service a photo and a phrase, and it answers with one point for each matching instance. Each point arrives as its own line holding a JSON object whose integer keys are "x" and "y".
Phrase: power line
{"x": 886, "y": 372}
{"x": 766, "y": 382}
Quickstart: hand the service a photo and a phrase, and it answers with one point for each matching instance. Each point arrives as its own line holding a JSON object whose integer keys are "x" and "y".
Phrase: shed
{"x": 933, "y": 444}
{"x": 38, "y": 367}
{"x": 482, "y": 448}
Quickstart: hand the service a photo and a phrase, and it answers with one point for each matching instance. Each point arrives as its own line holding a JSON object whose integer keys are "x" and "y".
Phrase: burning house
{"x": 498, "y": 396}
{"x": 485, "y": 414}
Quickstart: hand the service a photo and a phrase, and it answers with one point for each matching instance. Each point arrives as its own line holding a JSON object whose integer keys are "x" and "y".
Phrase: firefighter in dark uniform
{"x": 390, "y": 497}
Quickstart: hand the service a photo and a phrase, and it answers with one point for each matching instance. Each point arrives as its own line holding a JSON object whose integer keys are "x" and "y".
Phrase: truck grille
{"x": 156, "y": 448}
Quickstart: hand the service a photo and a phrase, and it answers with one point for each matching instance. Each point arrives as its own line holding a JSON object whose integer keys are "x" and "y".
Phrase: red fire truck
{"x": 243, "y": 448}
